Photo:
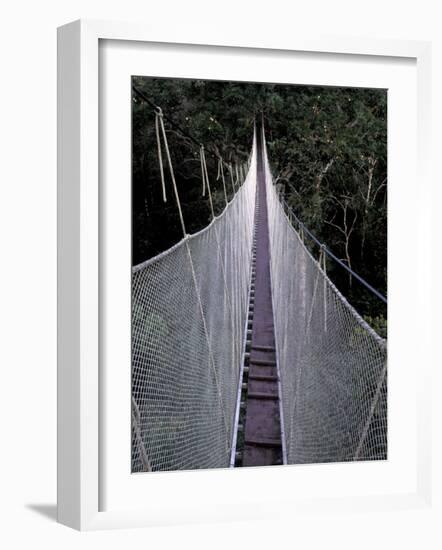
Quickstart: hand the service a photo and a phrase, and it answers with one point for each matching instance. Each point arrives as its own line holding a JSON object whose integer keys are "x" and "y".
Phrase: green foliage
{"x": 328, "y": 151}
{"x": 152, "y": 326}
{"x": 379, "y": 324}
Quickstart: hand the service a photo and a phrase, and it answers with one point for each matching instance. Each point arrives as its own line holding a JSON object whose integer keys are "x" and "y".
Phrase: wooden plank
{"x": 262, "y": 434}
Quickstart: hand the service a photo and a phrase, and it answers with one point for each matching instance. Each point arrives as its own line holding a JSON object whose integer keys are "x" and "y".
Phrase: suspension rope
{"x": 136, "y": 421}
{"x": 305, "y": 231}
{"x": 158, "y": 115}
{"x": 207, "y": 184}
{"x": 169, "y": 120}
{"x": 209, "y": 345}
{"x": 205, "y": 181}
{"x": 203, "y": 172}
{"x": 221, "y": 173}
{"x": 324, "y": 268}
{"x": 223, "y": 269}
{"x": 172, "y": 175}
{"x": 237, "y": 175}
{"x": 332, "y": 364}
{"x": 177, "y": 127}
{"x": 373, "y": 406}
{"x": 187, "y": 347}
{"x": 231, "y": 177}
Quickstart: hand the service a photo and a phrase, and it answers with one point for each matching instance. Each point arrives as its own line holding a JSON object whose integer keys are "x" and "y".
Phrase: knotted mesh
{"x": 332, "y": 364}
{"x": 189, "y": 307}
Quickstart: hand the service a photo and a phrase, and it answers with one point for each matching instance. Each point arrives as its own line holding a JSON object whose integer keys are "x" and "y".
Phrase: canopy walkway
{"x": 262, "y": 438}
{"x": 244, "y": 352}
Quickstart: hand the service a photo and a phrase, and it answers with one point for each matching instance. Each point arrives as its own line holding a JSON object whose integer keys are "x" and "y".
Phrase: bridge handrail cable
{"x": 333, "y": 256}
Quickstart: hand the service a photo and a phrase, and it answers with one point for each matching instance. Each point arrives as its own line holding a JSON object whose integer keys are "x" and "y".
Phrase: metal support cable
{"x": 306, "y": 231}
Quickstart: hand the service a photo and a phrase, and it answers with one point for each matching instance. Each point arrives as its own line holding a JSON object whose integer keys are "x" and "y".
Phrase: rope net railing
{"x": 189, "y": 307}
{"x": 332, "y": 364}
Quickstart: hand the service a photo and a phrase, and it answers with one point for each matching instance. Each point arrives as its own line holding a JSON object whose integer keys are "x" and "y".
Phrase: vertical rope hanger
{"x": 232, "y": 179}
{"x": 206, "y": 183}
{"x": 159, "y": 122}
{"x": 230, "y": 230}
{"x": 203, "y": 171}
{"x": 159, "y": 118}
{"x": 373, "y": 406}
{"x": 136, "y": 421}
{"x": 205, "y": 177}
{"x": 323, "y": 256}
{"x": 221, "y": 173}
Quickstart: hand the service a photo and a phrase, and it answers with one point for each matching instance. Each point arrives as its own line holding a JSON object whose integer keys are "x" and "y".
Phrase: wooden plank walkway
{"x": 262, "y": 435}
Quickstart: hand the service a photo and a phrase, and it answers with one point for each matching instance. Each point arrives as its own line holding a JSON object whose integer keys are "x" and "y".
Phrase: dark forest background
{"x": 328, "y": 151}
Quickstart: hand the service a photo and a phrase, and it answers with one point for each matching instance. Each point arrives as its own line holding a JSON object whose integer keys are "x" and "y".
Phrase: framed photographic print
{"x": 229, "y": 217}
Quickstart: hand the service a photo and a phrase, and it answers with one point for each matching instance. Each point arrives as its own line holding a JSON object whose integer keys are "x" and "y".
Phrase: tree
{"x": 328, "y": 151}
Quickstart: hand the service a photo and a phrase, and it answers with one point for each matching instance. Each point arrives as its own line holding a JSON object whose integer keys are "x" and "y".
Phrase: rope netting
{"x": 332, "y": 364}
{"x": 189, "y": 307}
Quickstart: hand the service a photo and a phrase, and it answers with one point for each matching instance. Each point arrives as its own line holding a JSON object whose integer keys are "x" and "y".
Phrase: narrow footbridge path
{"x": 244, "y": 352}
{"x": 262, "y": 438}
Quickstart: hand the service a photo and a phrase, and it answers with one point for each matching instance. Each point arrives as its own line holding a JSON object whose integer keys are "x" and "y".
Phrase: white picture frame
{"x": 79, "y": 276}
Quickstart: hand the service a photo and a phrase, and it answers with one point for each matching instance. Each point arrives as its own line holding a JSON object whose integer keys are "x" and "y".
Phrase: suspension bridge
{"x": 244, "y": 353}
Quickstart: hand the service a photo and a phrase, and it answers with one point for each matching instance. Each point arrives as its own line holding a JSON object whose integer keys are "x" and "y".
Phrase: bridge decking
{"x": 262, "y": 436}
